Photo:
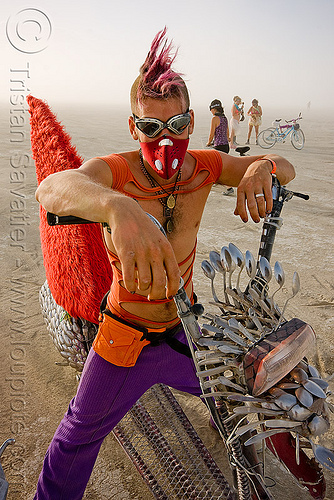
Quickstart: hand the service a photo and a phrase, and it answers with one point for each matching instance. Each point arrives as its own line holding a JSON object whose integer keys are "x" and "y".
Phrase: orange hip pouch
{"x": 118, "y": 341}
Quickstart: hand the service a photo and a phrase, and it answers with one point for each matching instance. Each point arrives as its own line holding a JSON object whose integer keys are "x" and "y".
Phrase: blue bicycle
{"x": 268, "y": 137}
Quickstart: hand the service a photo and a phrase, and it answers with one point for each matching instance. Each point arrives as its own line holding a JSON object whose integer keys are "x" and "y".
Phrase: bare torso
{"x": 187, "y": 216}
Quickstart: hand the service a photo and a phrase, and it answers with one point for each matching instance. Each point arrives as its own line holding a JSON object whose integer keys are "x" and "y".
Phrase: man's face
{"x": 162, "y": 110}
{"x": 163, "y": 148}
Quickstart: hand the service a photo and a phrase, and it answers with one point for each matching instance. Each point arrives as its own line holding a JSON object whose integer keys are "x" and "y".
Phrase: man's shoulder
{"x": 119, "y": 166}
{"x": 112, "y": 157}
{"x": 205, "y": 154}
{"x": 208, "y": 159}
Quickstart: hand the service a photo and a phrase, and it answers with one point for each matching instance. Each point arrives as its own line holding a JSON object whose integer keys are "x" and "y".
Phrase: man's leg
{"x": 105, "y": 393}
{"x": 177, "y": 370}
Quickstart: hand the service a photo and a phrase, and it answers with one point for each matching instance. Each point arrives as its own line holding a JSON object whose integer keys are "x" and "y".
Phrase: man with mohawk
{"x": 140, "y": 340}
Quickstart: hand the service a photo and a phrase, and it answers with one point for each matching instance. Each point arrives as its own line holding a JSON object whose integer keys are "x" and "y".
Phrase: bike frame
{"x": 281, "y": 134}
{"x": 278, "y": 133}
{"x": 280, "y": 129}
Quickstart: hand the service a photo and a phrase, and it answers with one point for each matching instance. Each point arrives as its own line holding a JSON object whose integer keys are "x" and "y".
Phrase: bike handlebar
{"x": 273, "y": 222}
{"x": 65, "y": 220}
{"x": 300, "y": 195}
{"x": 294, "y": 120}
{"x": 278, "y": 191}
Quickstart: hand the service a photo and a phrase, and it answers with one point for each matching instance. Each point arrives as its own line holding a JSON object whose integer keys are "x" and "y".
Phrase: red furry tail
{"x": 76, "y": 264}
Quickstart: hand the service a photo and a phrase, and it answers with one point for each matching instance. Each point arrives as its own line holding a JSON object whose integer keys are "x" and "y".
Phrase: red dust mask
{"x": 165, "y": 155}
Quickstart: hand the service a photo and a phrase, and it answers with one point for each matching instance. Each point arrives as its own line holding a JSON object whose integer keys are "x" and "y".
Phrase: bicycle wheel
{"x": 298, "y": 139}
{"x": 267, "y": 138}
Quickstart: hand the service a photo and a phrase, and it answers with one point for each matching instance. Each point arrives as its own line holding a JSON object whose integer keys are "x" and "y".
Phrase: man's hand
{"x": 147, "y": 258}
{"x": 254, "y": 192}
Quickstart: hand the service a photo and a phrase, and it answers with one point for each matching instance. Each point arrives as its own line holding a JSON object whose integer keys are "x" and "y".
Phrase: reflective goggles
{"x": 151, "y": 127}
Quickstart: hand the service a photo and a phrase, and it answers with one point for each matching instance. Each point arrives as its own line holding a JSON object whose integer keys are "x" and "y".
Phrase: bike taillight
{"x": 277, "y": 354}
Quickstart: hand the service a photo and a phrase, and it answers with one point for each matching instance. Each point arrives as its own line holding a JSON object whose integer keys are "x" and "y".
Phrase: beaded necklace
{"x": 168, "y": 203}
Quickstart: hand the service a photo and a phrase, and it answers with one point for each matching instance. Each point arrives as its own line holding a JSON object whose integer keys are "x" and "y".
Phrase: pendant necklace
{"x": 169, "y": 203}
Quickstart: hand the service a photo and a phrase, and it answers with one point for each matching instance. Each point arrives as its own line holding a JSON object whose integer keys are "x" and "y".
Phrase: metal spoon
{"x": 280, "y": 279}
{"x": 313, "y": 371}
{"x": 235, "y": 337}
{"x": 228, "y": 263}
{"x": 239, "y": 260}
{"x": 224, "y": 276}
{"x": 318, "y": 425}
{"x": 282, "y": 399}
{"x": 323, "y": 455}
{"x": 216, "y": 262}
{"x": 304, "y": 396}
{"x": 255, "y": 296}
{"x": 234, "y": 324}
{"x": 295, "y": 290}
{"x": 263, "y": 435}
{"x": 273, "y": 424}
{"x": 210, "y": 273}
{"x": 219, "y": 267}
{"x": 265, "y": 269}
{"x": 279, "y": 276}
{"x": 255, "y": 319}
{"x": 250, "y": 264}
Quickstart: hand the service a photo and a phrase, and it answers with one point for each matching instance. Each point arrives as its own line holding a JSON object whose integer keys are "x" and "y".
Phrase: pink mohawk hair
{"x": 157, "y": 79}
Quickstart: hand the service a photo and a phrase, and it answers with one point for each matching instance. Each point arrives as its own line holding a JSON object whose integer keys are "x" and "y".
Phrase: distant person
{"x": 219, "y": 133}
{"x": 255, "y": 119}
{"x": 237, "y": 116}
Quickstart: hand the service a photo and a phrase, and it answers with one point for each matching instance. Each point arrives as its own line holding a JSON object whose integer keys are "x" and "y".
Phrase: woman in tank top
{"x": 255, "y": 119}
{"x": 219, "y": 133}
{"x": 237, "y": 112}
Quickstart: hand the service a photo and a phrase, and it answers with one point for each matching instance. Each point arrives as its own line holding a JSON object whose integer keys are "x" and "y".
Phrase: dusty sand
{"x": 35, "y": 391}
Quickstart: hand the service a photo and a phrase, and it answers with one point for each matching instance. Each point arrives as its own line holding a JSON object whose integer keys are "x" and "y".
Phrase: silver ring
{"x": 258, "y": 195}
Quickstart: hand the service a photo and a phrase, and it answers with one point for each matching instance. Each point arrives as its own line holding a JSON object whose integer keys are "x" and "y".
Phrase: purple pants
{"x": 105, "y": 394}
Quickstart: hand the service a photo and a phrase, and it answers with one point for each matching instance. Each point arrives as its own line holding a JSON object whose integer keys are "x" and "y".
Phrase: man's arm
{"x": 251, "y": 174}
{"x": 83, "y": 192}
{"x": 144, "y": 252}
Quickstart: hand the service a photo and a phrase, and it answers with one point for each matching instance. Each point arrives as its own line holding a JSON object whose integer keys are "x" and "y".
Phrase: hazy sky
{"x": 279, "y": 52}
